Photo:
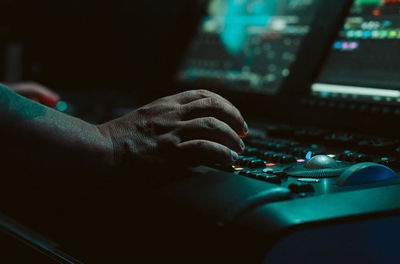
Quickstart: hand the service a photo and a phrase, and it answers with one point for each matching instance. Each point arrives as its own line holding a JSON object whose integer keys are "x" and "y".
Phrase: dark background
{"x": 97, "y": 45}
{"x": 88, "y": 51}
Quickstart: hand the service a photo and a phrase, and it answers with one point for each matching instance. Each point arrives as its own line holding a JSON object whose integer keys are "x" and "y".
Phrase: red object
{"x": 391, "y": 1}
{"x": 49, "y": 101}
{"x": 377, "y": 12}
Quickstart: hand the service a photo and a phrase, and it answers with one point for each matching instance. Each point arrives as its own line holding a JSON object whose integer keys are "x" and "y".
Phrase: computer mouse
{"x": 320, "y": 162}
{"x": 366, "y": 173}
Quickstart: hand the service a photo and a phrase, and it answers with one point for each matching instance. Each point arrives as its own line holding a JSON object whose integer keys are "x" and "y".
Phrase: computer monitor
{"x": 247, "y": 46}
{"x": 364, "y": 63}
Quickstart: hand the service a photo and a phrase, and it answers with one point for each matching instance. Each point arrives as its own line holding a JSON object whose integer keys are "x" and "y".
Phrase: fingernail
{"x": 246, "y": 128}
{"x": 234, "y": 156}
{"x": 242, "y": 146}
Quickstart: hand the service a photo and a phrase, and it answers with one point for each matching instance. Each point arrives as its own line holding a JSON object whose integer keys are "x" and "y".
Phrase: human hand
{"x": 190, "y": 128}
{"x": 36, "y": 92}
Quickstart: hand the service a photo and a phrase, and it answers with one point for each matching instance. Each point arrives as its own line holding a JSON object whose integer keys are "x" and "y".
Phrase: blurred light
{"x": 367, "y": 34}
{"x": 62, "y": 106}
{"x": 376, "y": 12}
{"x": 308, "y": 180}
{"x": 337, "y": 45}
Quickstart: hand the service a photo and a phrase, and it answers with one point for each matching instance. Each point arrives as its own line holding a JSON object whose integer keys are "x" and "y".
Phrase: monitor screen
{"x": 247, "y": 45}
{"x": 364, "y": 63}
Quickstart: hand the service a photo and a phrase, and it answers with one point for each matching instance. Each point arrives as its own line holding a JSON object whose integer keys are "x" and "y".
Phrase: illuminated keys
{"x": 365, "y": 34}
{"x": 339, "y": 45}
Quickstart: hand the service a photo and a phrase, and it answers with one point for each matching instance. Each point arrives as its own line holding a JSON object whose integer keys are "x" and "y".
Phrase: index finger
{"x": 217, "y": 108}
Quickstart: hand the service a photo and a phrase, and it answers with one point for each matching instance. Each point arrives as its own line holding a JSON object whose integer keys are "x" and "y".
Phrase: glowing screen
{"x": 248, "y": 45}
{"x": 365, "y": 58}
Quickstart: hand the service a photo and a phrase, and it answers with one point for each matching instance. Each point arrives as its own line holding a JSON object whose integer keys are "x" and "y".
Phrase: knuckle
{"x": 211, "y": 122}
{"x": 163, "y": 100}
{"x": 185, "y": 109}
{"x": 167, "y": 107}
{"x": 214, "y": 103}
{"x": 203, "y": 92}
{"x": 180, "y": 111}
{"x": 185, "y": 94}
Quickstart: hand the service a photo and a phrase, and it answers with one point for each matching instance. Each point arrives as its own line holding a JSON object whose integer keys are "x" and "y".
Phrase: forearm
{"x": 187, "y": 129}
{"x": 44, "y": 139}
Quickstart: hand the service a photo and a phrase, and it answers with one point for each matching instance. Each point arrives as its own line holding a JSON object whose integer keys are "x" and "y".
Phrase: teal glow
{"x": 62, "y": 106}
{"x": 234, "y": 34}
{"x": 238, "y": 18}
{"x": 309, "y": 155}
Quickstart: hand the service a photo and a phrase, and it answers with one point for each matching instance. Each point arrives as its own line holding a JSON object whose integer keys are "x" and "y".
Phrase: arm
{"x": 46, "y": 140}
{"x": 191, "y": 128}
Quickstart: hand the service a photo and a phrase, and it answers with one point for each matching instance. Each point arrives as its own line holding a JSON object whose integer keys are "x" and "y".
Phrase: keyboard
{"x": 279, "y": 155}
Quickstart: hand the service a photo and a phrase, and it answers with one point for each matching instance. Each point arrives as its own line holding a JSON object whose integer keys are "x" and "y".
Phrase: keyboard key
{"x": 363, "y": 158}
{"x": 269, "y": 178}
{"x": 268, "y": 155}
{"x": 348, "y": 155}
{"x": 256, "y": 164}
{"x": 244, "y": 161}
{"x": 244, "y": 173}
{"x": 251, "y": 151}
{"x": 276, "y": 158}
{"x": 377, "y": 145}
{"x": 286, "y": 159}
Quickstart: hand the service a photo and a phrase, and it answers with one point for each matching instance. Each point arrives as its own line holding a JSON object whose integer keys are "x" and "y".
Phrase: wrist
{"x": 108, "y": 146}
